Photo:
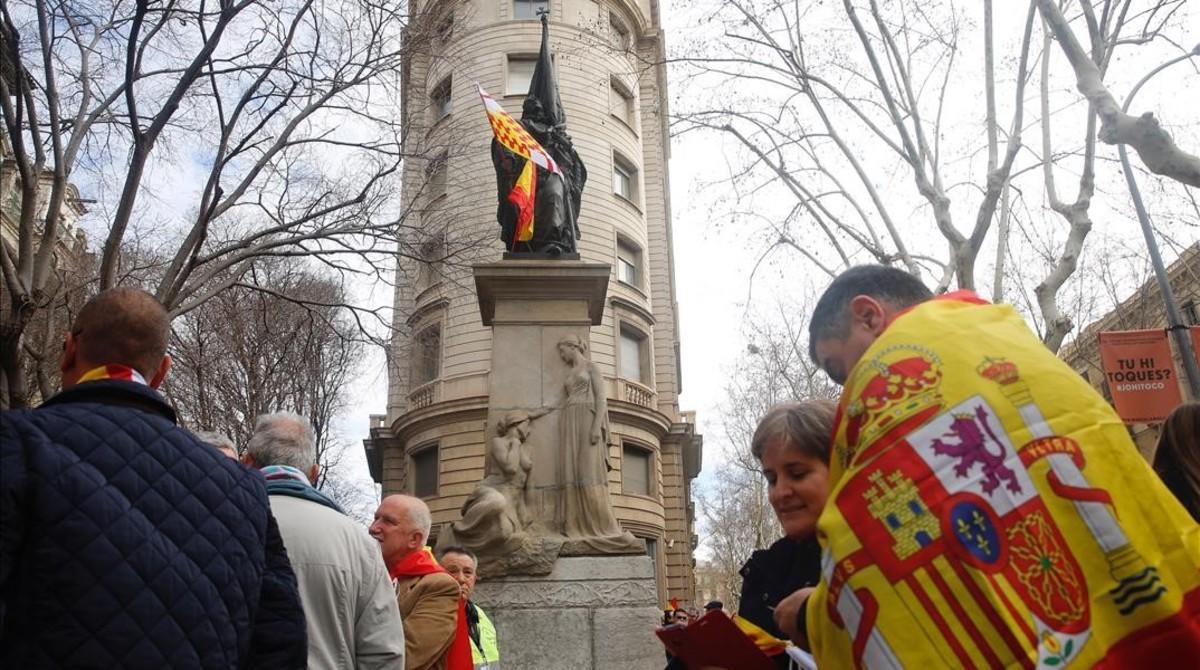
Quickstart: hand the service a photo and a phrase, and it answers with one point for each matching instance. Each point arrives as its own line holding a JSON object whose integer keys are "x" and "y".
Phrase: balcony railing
{"x": 637, "y": 394}
{"x": 422, "y": 396}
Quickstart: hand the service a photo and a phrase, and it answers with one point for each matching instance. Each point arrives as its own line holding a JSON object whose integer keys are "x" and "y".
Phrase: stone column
{"x": 531, "y": 305}
{"x": 590, "y": 612}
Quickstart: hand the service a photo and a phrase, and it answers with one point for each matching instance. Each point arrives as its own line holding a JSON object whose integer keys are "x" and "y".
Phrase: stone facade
{"x": 593, "y": 612}
{"x": 1141, "y": 311}
{"x": 431, "y": 440}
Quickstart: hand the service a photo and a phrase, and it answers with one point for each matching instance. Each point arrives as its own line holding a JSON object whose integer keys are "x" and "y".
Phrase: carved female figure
{"x": 586, "y": 510}
{"x": 495, "y": 513}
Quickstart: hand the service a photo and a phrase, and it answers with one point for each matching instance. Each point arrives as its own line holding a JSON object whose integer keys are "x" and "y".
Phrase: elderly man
{"x": 429, "y": 598}
{"x": 218, "y": 441}
{"x": 126, "y": 542}
{"x": 986, "y": 506}
{"x": 463, "y": 566}
{"x": 353, "y": 619}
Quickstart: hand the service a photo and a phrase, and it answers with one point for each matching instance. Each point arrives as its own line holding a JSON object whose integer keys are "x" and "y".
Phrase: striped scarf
{"x": 113, "y": 371}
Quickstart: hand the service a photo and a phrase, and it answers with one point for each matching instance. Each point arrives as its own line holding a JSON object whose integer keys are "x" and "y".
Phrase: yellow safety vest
{"x": 486, "y": 656}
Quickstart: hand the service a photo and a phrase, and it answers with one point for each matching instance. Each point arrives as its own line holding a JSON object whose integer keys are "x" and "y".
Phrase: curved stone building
{"x": 607, "y": 56}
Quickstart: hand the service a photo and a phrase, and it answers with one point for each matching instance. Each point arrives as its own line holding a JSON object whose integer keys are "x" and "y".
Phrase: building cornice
{"x": 631, "y": 306}
{"x": 438, "y": 414}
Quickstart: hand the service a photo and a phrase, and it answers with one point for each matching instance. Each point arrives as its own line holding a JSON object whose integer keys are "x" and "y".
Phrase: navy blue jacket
{"x": 125, "y": 542}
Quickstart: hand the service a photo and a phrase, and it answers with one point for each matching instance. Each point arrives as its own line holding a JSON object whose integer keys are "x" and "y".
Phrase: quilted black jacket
{"x": 125, "y": 542}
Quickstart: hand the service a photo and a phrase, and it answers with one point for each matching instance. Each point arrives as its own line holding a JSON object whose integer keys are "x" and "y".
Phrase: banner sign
{"x": 1140, "y": 373}
{"x": 1196, "y": 342}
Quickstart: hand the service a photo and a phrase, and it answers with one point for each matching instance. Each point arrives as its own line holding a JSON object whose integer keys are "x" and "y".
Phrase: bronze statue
{"x": 556, "y": 195}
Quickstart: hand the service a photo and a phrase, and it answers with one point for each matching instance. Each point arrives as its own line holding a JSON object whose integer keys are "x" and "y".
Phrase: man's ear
{"x": 161, "y": 373}
{"x": 70, "y": 352}
{"x": 248, "y": 460}
{"x": 867, "y": 312}
{"x": 313, "y": 472}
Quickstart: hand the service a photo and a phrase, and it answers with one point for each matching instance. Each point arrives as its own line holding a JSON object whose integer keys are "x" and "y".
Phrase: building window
{"x": 435, "y": 174}
{"x": 634, "y": 355}
{"x": 427, "y": 355}
{"x": 445, "y": 29}
{"x": 1190, "y": 313}
{"x": 652, "y": 552}
{"x": 425, "y": 472}
{"x": 528, "y": 9}
{"x": 443, "y": 103}
{"x": 620, "y": 32}
{"x": 431, "y": 255}
{"x": 635, "y": 470}
{"x": 624, "y": 178}
{"x": 520, "y": 73}
{"x": 629, "y": 263}
{"x": 620, "y": 101}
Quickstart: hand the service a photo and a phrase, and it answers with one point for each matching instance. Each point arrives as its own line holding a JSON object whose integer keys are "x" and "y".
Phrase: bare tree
{"x": 284, "y": 342}
{"x": 775, "y": 368}
{"x": 278, "y": 119}
{"x": 834, "y": 104}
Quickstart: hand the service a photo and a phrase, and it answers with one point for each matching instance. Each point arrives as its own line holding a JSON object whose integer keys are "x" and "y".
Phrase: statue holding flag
{"x": 539, "y": 175}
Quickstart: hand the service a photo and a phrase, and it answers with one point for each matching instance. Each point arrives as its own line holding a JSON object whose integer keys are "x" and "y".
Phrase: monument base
{"x": 589, "y": 613}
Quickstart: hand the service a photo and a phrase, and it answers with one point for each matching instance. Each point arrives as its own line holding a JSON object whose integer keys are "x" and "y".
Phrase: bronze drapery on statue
{"x": 556, "y": 195}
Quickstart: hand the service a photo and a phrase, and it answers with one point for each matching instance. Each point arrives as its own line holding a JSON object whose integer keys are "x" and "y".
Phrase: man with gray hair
{"x": 353, "y": 619}
{"x": 430, "y": 599}
{"x": 218, "y": 441}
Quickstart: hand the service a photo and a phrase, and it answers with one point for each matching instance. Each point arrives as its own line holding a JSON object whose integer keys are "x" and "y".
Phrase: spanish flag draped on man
{"x": 987, "y": 507}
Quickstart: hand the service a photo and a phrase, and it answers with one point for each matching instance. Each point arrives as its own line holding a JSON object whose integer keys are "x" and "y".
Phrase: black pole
{"x": 1175, "y": 324}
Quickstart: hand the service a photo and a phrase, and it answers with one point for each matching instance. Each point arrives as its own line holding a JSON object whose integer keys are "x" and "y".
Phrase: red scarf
{"x": 419, "y": 564}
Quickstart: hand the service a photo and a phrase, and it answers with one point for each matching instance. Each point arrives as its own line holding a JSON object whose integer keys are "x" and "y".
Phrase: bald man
{"x": 126, "y": 541}
{"x": 435, "y": 635}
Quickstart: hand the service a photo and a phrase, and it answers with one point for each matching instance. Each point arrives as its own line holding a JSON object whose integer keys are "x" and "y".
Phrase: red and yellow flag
{"x": 522, "y": 197}
{"x": 988, "y": 509}
{"x": 767, "y": 643}
{"x": 512, "y": 136}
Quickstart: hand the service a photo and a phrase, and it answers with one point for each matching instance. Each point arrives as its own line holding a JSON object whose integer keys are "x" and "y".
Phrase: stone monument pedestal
{"x": 589, "y": 613}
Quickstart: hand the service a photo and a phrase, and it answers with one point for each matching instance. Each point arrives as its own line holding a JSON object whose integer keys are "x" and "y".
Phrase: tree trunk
{"x": 15, "y": 394}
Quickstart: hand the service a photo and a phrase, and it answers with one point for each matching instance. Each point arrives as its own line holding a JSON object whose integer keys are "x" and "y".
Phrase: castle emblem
{"x": 894, "y": 501}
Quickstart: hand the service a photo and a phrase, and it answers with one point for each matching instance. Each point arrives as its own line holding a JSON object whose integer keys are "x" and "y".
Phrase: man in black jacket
{"x": 125, "y": 542}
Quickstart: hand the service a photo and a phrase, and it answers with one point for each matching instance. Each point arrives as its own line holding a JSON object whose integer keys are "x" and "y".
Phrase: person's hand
{"x": 596, "y": 436}
{"x": 788, "y": 611}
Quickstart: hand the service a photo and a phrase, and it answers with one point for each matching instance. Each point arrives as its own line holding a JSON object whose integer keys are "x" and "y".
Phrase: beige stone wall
{"x": 451, "y": 410}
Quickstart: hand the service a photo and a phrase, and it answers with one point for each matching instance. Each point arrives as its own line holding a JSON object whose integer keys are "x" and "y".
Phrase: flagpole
{"x": 1175, "y": 324}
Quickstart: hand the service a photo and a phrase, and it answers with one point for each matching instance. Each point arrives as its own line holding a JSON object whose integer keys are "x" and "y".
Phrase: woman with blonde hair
{"x": 1177, "y": 457}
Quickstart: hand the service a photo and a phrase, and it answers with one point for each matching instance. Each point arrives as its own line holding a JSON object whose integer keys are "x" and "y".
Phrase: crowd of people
{"x": 969, "y": 501}
{"x": 130, "y": 542}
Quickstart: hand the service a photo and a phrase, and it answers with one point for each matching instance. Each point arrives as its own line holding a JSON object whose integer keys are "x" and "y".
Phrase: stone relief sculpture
{"x": 495, "y": 521}
{"x": 585, "y": 514}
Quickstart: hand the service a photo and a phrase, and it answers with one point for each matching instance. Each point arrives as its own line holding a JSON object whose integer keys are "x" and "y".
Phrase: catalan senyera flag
{"x": 988, "y": 509}
{"x": 512, "y": 136}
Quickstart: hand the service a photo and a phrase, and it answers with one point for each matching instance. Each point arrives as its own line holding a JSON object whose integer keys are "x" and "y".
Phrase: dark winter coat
{"x": 125, "y": 542}
{"x": 773, "y": 574}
